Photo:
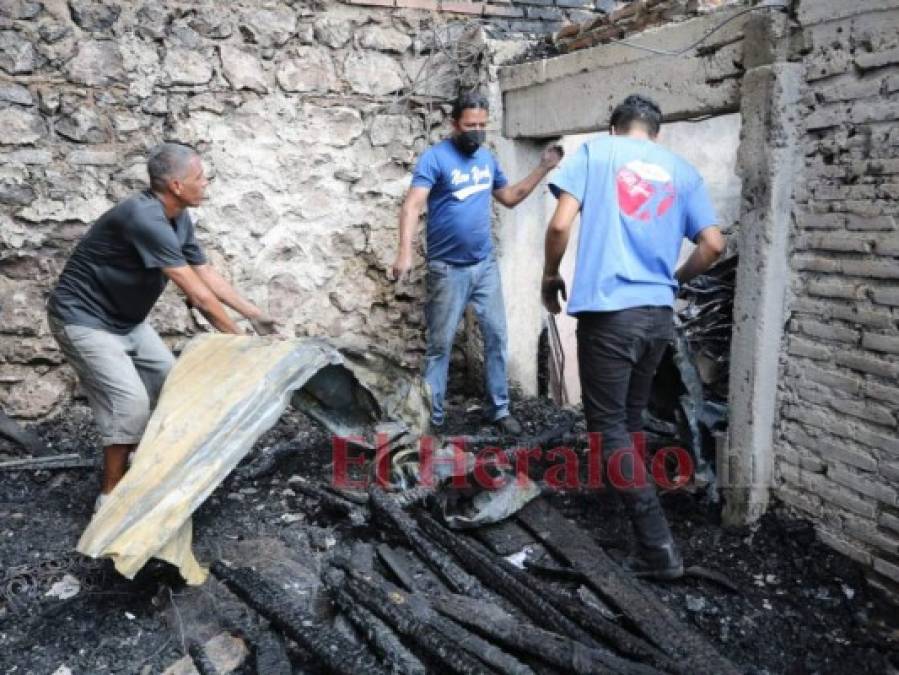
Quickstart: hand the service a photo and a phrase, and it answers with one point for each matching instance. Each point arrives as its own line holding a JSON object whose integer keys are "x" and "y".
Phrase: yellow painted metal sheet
{"x": 222, "y": 394}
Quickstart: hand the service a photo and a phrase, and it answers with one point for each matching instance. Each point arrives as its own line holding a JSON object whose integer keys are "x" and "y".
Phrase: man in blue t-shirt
{"x": 456, "y": 178}
{"x": 637, "y": 201}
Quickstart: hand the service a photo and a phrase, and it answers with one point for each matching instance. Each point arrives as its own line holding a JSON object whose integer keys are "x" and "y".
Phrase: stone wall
{"x": 308, "y": 114}
{"x": 837, "y": 445}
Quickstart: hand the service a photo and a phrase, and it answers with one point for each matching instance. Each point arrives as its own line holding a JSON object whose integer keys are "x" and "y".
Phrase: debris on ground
{"x": 812, "y": 612}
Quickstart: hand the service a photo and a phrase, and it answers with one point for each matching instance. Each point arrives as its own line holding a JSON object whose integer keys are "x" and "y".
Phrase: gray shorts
{"x": 122, "y": 375}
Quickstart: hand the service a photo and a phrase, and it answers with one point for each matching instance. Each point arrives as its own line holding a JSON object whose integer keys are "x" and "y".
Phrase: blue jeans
{"x": 450, "y": 289}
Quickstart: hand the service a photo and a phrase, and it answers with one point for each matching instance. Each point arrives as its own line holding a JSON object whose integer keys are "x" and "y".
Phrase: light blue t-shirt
{"x": 638, "y": 201}
{"x": 459, "y": 201}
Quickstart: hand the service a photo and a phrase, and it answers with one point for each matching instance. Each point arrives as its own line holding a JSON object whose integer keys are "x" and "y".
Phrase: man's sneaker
{"x": 508, "y": 426}
{"x": 659, "y": 562}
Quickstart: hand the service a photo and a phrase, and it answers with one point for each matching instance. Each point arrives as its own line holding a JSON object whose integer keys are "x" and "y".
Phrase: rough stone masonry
{"x": 309, "y": 114}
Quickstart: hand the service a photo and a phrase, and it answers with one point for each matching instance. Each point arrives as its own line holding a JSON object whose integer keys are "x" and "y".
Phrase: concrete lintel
{"x": 811, "y": 12}
{"x": 670, "y": 37}
{"x": 684, "y": 87}
{"x": 768, "y": 160}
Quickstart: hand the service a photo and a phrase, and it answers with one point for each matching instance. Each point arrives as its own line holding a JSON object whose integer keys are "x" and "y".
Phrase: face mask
{"x": 469, "y": 141}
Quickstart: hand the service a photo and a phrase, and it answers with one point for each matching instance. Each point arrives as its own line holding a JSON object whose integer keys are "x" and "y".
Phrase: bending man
{"x": 637, "y": 202}
{"x": 116, "y": 274}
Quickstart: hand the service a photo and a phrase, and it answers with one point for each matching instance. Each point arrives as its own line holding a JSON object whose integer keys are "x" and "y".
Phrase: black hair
{"x": 637, "y": 109}
{"x": 469, "y": 99}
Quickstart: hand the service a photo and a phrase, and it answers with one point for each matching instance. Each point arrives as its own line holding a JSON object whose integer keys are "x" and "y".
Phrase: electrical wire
{"x": 770, "y": 4}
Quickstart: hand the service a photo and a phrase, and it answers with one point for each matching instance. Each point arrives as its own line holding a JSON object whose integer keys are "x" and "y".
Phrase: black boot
{"x": 661, "y": 562}
{"x": 655, "y": 555}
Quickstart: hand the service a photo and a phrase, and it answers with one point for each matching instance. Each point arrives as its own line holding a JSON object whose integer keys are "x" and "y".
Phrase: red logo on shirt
{"x": 644, "y": 190}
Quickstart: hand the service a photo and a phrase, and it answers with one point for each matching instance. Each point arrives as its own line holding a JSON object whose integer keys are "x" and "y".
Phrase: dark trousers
{"x": 618, "y": 353}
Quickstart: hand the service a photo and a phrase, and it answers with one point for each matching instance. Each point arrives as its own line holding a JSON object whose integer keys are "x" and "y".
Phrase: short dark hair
{"x": 469, "y": 99}
{"x": 167, "y": 161}
{"x": 637, "y": 109}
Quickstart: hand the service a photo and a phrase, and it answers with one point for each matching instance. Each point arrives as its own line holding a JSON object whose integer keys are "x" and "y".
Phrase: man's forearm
{"x": 520, "y": 190}
{"x": 554, "y": 249}
{"x": 408, "y": 223}
{"x": 227, "y": 295}
{"x": 698, "y": 262}
{"x": 215, "y": 314}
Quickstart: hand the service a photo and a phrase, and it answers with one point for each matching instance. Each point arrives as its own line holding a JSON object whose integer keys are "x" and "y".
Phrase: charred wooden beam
{"x": 357, "y": 514}
{"x": 471, "y": 642}
{"x": 558, "y": 650}
{"x": 271, "y": 654}
{"x": 384, "y": 642}
{"x": 48, "y": 462}
{"x": 398, "y": 567}
{"x": 608, "y": 632}
{"x": 13, "y": 431}
{"x": 495, "y": 576}
{"x": 332, "y": 649}
{"x": 644, "y": 611}
{"x": 201, "y": 660}
{"x": 454, "y": 576}
{"x": 393, "y": 606}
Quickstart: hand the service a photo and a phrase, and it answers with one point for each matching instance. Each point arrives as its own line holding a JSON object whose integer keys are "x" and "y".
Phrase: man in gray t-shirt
{"x": 116, "y": 274}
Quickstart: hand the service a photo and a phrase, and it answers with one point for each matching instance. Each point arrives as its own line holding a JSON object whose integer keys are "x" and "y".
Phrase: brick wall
{"x": 837, "y": 448}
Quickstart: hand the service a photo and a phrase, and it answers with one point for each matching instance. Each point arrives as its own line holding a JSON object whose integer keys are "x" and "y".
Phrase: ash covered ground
{"x": 798, "y": 606}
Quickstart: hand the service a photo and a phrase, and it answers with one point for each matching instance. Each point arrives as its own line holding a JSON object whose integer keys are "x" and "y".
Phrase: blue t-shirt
{"x": 638, "y": 201}
{"x": 459, "y": 201}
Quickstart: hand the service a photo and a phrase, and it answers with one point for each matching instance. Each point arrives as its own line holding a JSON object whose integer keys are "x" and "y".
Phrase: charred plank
{"x": 608, "y": 632}
{"x": 271, "y": 654}
{"x": 332, "y": 649}
{"x": 644, "y": 611}
{"x": 201, "y": 660}
{"x": 494, "y": 574}
{"x": 454, "y": 576}
{"x": 13, "y": 431}
{"x": 357, "y": 514}
{"x": 392, "y": 605}
{"x": 557, "y": 650}
{"x": 384, "y": 642}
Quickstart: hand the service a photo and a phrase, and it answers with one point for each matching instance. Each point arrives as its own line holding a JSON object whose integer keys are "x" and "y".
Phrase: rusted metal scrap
{"x": 393, "y": 606}
{"x": 335, "y": 651}
{"x": 643, "y": 610}
{"x": 454, "y": 576}
{"x": 557, "y": 650}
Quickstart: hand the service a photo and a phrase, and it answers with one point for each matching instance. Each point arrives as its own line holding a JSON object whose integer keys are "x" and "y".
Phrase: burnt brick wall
{"x": 837, "y": 452}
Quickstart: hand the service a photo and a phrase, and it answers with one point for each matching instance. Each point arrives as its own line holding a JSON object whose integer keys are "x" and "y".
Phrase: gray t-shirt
{"x": 114, "y": 276}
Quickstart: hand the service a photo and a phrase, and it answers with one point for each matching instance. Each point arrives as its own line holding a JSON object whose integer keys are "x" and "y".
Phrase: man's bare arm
{"x": 512, "y": 195}
{"x": 710, "y": 245}
{"x": 410, "y": 212}
{"x": 202, "y": 297}
{"x": 557, "y": 235}
{"x": 228, "y": 295}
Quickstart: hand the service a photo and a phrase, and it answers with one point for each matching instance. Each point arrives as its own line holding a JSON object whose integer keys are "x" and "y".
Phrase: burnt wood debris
{"x": 441, "y": 601}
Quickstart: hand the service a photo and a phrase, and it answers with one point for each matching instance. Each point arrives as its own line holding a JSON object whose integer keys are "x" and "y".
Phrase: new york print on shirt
{"x": 481, "y": 180}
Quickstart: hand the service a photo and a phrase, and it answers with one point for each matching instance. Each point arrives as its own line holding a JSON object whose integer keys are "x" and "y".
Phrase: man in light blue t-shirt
{"x": 637, "y": 201}
{"x": 458, "y": 178}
